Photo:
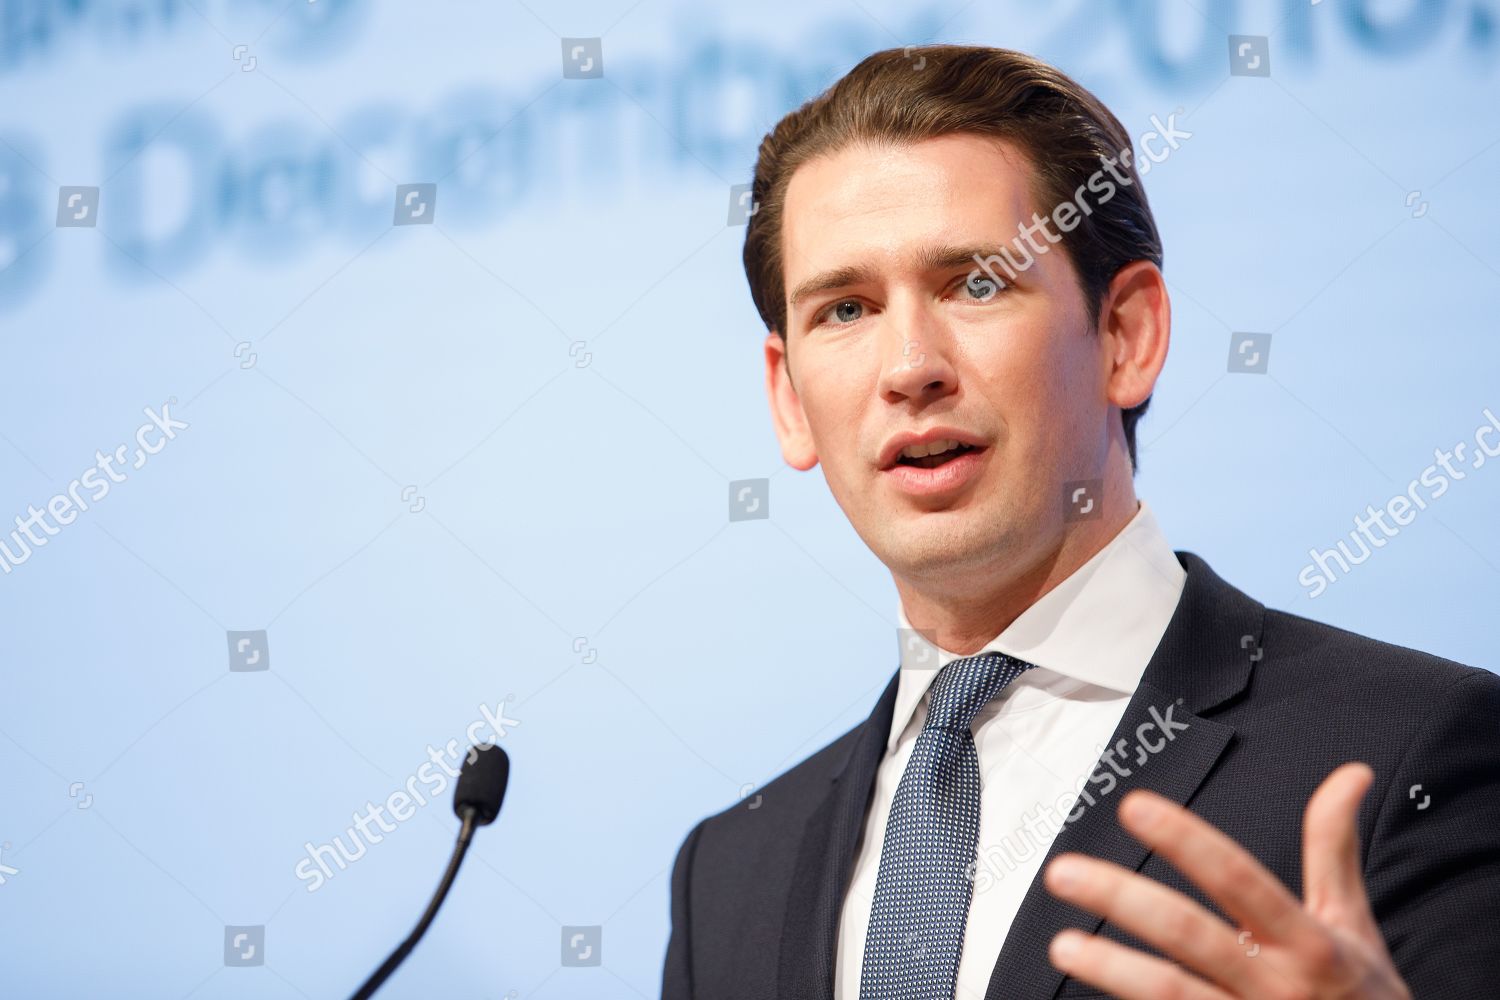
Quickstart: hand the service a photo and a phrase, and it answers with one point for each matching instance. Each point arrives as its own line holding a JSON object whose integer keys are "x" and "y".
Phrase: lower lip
{"x": 952, "y": 475}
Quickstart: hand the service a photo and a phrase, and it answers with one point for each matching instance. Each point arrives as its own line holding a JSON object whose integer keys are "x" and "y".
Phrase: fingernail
{"x": 1065, "y": 946}
{"x": 1065, "y": 873}
{"x": 1140, "y": 810}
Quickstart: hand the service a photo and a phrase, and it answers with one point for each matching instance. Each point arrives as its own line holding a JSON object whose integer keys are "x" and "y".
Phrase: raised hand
{"x": 1325, "y": 946}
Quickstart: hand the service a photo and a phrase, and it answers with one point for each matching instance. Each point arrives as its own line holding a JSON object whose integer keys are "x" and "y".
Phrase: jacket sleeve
{"x": 677, "y": 973}
{"x": 1433, "y": 865}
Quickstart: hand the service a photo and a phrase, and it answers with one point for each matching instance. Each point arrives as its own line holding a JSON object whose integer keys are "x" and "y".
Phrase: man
{"x": 1100, "y": 769}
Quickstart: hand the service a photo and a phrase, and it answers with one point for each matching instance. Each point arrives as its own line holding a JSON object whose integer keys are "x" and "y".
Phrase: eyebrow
{"x": 941, "y": 257}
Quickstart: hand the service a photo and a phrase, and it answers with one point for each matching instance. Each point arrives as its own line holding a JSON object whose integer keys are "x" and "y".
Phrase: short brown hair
{"x": 903, "y": 96}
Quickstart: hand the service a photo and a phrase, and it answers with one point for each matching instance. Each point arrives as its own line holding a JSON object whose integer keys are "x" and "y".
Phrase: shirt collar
{"x": 1100, "y": 625}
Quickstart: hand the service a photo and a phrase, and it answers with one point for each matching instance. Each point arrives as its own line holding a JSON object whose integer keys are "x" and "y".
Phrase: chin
{"x": 918, "y": 548}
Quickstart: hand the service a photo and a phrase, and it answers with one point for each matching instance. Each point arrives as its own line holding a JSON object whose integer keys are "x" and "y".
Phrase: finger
{"x": 1333, "y": 884}
{"x": 1230, "y": 876}
{"x": 1125, "y": 972}
{"x": 1161, "y": 917}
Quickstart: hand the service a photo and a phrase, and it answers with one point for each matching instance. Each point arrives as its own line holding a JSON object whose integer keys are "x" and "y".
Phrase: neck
{"x": 963, "y": 619}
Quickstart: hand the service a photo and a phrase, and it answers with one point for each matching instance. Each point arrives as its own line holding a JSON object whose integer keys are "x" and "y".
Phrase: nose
{"x": 914, "y": 355}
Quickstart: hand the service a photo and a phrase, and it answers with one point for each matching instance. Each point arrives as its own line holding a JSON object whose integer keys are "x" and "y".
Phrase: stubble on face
{"x": 1002, "y": 365}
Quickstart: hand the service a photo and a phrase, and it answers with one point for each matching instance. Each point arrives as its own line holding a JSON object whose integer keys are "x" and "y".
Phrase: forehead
{"x": 872, "y": 201}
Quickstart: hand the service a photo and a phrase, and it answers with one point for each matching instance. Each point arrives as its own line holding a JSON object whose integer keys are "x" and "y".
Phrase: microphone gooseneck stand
{"x": 476, "y": 802}
{"x": 465, "y": 835}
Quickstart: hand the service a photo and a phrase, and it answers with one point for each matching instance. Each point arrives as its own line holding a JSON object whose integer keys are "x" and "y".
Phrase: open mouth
{"x": 933, "y": 461}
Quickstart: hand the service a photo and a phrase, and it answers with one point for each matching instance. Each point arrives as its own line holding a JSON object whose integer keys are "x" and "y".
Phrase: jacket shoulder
{"x": 794, "y": 792}
{"x": 1342, "y": 654}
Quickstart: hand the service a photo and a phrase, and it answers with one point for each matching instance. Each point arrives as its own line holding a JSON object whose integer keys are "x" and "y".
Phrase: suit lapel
{"x": 1204, "y": 658}
{"x": 1175, "y": 771}
{"x": 824, "y": 860}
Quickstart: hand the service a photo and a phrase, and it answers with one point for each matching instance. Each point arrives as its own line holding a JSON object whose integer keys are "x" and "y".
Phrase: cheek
{"x": 1043, "y": 392}
{"x": 834, "y": 399}
{"x": 1020, "y": 371}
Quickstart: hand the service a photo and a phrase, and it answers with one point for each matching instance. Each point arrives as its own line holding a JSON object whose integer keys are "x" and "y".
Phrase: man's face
{"x": 908, "y": 344}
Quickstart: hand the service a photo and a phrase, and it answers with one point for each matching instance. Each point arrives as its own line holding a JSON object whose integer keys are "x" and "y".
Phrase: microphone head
{"x": 481, "y": 783}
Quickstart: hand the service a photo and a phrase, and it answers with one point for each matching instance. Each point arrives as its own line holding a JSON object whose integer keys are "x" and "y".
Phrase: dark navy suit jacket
{"x": 1272, "y": 702}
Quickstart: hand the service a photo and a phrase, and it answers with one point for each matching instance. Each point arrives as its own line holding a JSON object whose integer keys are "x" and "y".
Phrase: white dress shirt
{"x": 1038, "y": 740}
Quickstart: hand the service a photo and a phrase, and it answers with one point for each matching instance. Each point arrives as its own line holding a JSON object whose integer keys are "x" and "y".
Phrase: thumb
{"x": 1332, "y": 883}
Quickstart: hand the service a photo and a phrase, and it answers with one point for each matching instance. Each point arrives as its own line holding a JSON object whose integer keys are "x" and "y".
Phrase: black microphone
{"x": 476, "y": 801}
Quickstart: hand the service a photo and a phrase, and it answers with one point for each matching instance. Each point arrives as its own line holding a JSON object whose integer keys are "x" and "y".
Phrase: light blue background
{"x": 563, "y": 502}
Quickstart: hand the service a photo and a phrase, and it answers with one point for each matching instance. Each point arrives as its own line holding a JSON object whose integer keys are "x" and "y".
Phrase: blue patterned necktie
{"x": 922, "y": 891}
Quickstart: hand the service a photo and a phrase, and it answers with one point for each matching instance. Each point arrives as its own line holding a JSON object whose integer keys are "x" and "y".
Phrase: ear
{"x": 786, "y": 408}
{"x": 1135, "y": 324}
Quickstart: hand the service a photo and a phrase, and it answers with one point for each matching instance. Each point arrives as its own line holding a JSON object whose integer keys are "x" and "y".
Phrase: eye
{"x": 839, "y": 309}
{"x": 980, "y": 287}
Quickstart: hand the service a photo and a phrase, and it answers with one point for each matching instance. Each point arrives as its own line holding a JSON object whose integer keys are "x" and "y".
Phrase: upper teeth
{"x": 930, "y": 448}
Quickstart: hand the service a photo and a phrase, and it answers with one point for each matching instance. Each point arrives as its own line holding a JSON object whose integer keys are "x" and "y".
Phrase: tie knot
{"x": 965, "y": 686}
